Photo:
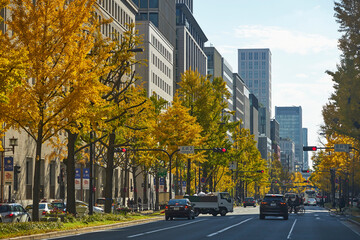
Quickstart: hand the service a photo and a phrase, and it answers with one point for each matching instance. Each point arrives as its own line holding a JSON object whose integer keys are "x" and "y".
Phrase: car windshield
{"x": 58, "y": 204}
{"x": 177, "y": 202}
{"x": 4, "y": 208}
{"x": 249, "y": 199}
{"x": 100, "y": 201}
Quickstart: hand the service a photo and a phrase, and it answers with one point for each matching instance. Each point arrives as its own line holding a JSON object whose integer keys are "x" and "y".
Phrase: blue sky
{"x": 302, "y": 36}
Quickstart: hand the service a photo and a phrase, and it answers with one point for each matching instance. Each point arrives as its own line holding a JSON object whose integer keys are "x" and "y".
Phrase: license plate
{"x": 176, "y": 208}
{"x": 273, "y": 204}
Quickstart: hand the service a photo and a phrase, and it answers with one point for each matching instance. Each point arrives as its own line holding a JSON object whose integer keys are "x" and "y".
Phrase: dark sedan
{"x": 179, "y": 208}
{"x": 274, "y": 205}
{"x": 249, "y": 201}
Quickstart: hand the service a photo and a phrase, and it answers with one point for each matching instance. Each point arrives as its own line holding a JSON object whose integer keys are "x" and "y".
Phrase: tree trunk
{"x": 135, "y": 184}
{"x": 126, "y": 180}
{"x": 188, "y": 180}
{"x": 70, "y": 173}
{"x": 145, "y": 198}
{"x": 109, "y": 174}
{"x": 157, "y": 183}
{"x": 36, "y": 188}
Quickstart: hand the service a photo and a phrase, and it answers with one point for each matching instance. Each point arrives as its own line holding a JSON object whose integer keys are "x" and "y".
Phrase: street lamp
{"x": 13, "y": 142}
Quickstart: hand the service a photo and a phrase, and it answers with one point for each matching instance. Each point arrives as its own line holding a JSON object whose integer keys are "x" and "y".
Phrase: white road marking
{"x": 225, "y": 229}
{"x": 163, "y": 229}
{"x": 292, "y": 228}
{"x": 317, "y": 218}
{"x": 347, "y": 225}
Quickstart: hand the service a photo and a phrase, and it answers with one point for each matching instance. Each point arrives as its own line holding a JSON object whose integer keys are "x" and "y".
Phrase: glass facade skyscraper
{"x": 290, "y": 120}
{"x": 254, "y": 67}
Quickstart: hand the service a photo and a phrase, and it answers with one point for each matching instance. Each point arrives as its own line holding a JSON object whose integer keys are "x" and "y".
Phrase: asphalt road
{"x": 244, "y": 223}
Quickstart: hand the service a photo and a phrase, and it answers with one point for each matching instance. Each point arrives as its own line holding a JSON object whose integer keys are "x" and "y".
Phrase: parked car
{"x": 59, "y": 204}
{"x": 249, "y": 201}
{"x": 44, "y": 208}
{"x": 100, "y": 202}
{"x": 81, "y": 204}
{"x": 179, "y": 208}
{"x": 13, "y": 212}
{"x": 274, "y": 205}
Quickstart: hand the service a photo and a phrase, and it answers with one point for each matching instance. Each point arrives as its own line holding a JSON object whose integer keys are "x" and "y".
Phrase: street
{"x": 243, "y": 223}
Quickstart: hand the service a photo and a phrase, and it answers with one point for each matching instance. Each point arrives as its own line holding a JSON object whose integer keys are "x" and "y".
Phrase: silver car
{"x": 13, "y": 212}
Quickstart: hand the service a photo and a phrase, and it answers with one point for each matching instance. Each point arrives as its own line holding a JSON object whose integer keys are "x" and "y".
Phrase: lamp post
{"x": 13, "y": 142}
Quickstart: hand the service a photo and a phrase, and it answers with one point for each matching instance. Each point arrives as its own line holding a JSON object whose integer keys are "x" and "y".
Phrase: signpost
{"x": 232, "y": 165}
{"x": 77, "y": 178}
{"x": 342, "y": 147}
{"x": 186, "y": 149}
{"x": 9, "y": 170}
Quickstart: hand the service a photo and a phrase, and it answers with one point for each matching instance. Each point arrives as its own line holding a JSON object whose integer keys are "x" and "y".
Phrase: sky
{"x": 302, "y": 36}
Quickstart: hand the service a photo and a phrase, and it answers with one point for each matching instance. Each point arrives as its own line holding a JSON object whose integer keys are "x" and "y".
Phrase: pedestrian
{"x": 342, "y": 204}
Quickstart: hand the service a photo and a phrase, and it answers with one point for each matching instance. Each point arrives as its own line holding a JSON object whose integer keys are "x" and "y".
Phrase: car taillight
{"x": 166, "y": 207}
{"x": 186, "y": 207}
{"x": 282, "y": 203}
{"x": 9, "y": 215}
{"x": 263, "y": 203}
{"x": 43, "y": 213}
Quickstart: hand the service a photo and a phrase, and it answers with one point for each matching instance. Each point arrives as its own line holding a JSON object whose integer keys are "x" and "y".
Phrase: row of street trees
{"x": 60, "y": 74}
{"x": 341, "y": 114}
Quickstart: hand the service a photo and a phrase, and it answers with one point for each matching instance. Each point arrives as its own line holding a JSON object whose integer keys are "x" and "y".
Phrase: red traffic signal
{"x": 309, "y": 148}
{"x": 306, "y": 181}
{"x": 305, "y": 171}
{"x": 120, "y": 150}
{"x": 221, "y": 150}
{"x": 260, "y": 171}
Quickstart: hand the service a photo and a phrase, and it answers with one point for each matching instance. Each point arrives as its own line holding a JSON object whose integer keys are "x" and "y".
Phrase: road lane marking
{"x": 225, "y": 229}
{"x": 163, "y": 229}
{"x": 347, "y": 225}
{"x": 292, "y": 228}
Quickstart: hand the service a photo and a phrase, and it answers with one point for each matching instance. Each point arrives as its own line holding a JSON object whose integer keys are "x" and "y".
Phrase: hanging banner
{"x": 162, "y": 185}
{"x": 86, "y": 179}
{"x": 77, "y": 178}
{"x": 8, "y": 170}
{"x": 184, "y": 186}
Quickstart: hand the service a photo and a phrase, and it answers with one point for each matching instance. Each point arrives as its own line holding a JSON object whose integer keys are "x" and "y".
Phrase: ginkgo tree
{"x": 61, "y": 77}
{"x": 176, "y": 127}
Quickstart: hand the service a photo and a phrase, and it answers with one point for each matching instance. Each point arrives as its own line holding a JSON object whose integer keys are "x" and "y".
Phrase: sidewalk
{"x": 86, "y": 229}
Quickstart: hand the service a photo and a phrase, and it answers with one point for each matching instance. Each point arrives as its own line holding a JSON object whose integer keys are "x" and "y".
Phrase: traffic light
{"x": 220, "y": 150}
{"x": 16, "y": 173}
{"x": 309, "y": 148}
{"x": 306, "y": 181}
{"x": 305, "y": 171}
{"x": 260, "y": 171}
{"x": 17, "y": 169}
{"x": 123, "y": 150}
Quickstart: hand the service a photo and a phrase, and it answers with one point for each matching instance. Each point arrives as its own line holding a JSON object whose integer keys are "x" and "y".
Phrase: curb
{"x": 84, "y": 230}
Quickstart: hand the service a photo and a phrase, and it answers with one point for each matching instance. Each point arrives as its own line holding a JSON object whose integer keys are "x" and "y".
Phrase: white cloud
{"x": 301, "y": 75}
{"x": 283, "y": 39}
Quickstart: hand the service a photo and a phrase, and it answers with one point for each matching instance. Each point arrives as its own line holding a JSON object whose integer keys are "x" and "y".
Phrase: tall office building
{"x": 214, "y": 62}
{"x": 190, "y": 42}
{"x": 254, "y": 66}
{"x": 156, "y": 23}
{"x": 287, "y": 156}
{"x": 162, "y": 14}
{"x": 306, "y": 153}
{"x": 290, "y": 120}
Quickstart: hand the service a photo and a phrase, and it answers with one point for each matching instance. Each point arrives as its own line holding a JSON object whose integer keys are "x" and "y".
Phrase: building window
{"x": 256, "y": 56}
{"x": 153, "y": 3}
{"x": 154, "y": 18}
{"x": 250, "y": 56}
{"x": 242, "y": 56}
{"x": 250, "y": 65}
{"x": 263, "y": 56}
{"x": 144, "y": 4}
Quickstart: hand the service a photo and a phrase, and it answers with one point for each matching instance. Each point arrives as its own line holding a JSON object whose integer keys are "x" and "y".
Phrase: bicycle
{"x": 300, "y": 210}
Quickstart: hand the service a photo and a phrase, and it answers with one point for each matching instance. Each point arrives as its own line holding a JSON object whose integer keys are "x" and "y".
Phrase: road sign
{"x": 203, "y": 180}
{"x": 342, "y": 147}
{"x": 232, "y": 165}
{"x": 186, "y": 149}
{"x": 8, "y": 170}
{"x": 77, "y": 178}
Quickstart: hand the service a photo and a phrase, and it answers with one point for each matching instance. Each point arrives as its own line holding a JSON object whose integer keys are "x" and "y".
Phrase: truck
{"x": 214, "y": 203}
